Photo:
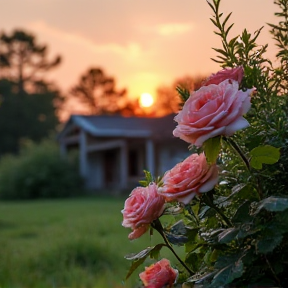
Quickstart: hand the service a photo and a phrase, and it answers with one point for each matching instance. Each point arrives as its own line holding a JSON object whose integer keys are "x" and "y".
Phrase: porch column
{"x": 63, "y": 149}
{"x": 123, "y": 165}
{"x": 83, "y": 161}
{"x": 150, "y": 156}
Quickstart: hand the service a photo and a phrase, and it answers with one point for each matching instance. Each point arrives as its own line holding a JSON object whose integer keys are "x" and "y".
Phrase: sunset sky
{"x": 142, "y": 43}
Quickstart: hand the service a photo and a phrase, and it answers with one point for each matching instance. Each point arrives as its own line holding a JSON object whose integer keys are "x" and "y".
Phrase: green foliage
{"x": 149, "y": 179}
{"x": 183, "y": 92}
{"x": 38, "y": 172}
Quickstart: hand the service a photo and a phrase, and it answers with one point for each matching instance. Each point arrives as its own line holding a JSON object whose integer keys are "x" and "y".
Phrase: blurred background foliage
{"x": 39, "y": 172}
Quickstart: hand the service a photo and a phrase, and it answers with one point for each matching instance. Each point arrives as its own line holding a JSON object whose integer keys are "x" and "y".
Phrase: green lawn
{"x": 66, "y": 243}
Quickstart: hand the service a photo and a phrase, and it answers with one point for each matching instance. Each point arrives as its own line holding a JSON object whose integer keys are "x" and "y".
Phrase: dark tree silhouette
{"x": 23, "y": 60}
{"x": 97, "y": 92}
{"x": 168, "y": 100}
{"x": 28, "y": 102}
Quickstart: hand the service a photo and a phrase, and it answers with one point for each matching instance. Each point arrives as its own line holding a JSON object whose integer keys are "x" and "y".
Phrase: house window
{"x": 133, "y": 162}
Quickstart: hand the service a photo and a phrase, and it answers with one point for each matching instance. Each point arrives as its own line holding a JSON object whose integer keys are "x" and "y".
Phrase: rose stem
{"x": 245, "y": 160}
{"x": 239, "y": 151}
{"x": 273, "y": 272}
{"x": 210, "y": 203}
{"x": 156, "y": 224}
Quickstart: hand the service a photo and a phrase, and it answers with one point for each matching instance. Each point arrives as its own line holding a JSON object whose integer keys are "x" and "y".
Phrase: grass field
{"x": 66, "y": 243}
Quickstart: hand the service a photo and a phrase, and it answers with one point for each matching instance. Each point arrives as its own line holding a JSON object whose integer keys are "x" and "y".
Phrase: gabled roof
{"x": 119, "y": 126}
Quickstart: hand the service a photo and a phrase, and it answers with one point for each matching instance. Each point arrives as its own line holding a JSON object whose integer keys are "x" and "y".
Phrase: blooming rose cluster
{"x": 216, "y": 109}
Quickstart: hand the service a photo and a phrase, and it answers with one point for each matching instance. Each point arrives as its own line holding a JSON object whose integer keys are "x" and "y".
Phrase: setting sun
{"x": 146, "y": 100}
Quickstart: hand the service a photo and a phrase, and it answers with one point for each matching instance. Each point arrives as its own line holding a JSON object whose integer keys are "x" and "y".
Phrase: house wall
{"x": 169, "y": 155}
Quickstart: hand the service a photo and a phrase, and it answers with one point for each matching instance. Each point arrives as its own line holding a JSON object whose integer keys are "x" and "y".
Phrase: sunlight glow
{"x": 146, "y": 100}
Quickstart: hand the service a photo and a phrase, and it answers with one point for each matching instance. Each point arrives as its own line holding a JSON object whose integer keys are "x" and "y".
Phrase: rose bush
{"x": 142, "y": 207}
{"x": 159, "y": 275}
{"x": 188, "y": 179}
{"x": 235, "y": 235}
{"x": 212, "y": 111}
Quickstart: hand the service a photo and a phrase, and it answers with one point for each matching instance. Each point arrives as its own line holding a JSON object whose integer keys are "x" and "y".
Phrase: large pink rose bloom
{"x": 232, "y": 74}
{"x": 189, "y": 178}
{"x": 212, "y": 111}
{"x": 143, "y": 206}
{"x": 159, "y": 275}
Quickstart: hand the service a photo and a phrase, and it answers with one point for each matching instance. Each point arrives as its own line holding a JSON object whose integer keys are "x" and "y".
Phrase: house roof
{"x": 119, "y": 126}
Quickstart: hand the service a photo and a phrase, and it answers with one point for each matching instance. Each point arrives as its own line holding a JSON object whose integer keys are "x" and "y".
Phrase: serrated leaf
{"x": 264, "y": 155}
{"x": 211, "y": 148}
{"x": 272, "y": 204}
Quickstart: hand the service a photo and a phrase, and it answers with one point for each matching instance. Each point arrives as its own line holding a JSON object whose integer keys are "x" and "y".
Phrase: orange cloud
{"x": 171, "y": 29}
{"x": 132, "y": 49}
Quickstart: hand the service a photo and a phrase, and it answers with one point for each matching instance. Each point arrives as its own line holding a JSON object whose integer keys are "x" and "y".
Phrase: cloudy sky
{"x": 142, "y": 43}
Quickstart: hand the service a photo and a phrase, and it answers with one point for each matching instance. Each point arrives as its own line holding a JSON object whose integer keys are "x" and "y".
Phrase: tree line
{"x": 30, "y": 104}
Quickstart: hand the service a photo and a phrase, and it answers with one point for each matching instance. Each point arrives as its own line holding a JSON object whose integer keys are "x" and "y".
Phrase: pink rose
{"x": 159, "y": 275}
{"x": 212, "y": 111}
{"x": 189, "y": 178}
{"x": 142, "y": 207}
{"x": 232, "y": 74}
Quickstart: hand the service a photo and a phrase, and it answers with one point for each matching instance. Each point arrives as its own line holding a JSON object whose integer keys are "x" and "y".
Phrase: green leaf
{"x": 268, "y": 243}
{"x": 139, "y": 258}
{"x": 176, "y": 239}
{"x": 228, "y": 235}
{"x": 183, "y": 92}
{"x": 134, "y": 266}
{"x": 264, "y": 155}
{"x": 148, "y": 179}
{"x": 242, "y": 215}
{"x": 244, "y": 191}
{"x": 272, "y": 204}
{"x": 228, "y": 274}
{"x": 211, "y": 148}
{"x": 177, "y": 233}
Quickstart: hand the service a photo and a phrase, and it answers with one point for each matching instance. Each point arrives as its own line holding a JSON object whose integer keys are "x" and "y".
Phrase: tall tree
{"x": 28, "y": 102}
{"x": 98, "y": 93}
{"x": 23, "y": 60}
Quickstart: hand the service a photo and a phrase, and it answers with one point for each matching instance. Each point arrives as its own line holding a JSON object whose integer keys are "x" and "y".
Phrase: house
{"x": 114, "y": 150}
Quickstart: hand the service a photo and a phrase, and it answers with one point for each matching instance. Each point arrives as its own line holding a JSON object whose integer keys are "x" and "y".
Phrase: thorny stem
{"x": 273, "y": 272}
{"x": 156, "y": 224}
{"x": 210, "y": 203}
